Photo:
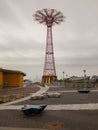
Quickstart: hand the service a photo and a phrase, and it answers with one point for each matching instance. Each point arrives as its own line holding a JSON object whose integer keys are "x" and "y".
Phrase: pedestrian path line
{"x": 65, "y": 91}
{"x": 89, "y": 106}
{"x": 68, "y": 91}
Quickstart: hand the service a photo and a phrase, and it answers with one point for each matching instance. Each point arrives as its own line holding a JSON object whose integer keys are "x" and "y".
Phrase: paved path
{"x": 8, "y": 106}
{"x": 72, "y": 119}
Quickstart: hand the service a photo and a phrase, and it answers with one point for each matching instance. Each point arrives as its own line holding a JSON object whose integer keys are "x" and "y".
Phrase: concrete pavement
{"x": 85, "y": 118}
{"x": 8, "y": 105}
{"x": 87, "y": 106}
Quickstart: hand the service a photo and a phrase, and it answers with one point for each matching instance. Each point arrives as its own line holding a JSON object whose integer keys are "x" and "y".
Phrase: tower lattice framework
{"x": 49, "y": 17}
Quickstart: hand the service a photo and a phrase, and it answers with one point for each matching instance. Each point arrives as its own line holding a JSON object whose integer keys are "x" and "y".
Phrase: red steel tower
{"x": 49, "y": 17}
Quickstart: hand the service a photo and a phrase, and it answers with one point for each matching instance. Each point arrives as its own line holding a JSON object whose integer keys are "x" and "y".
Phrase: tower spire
{"x": 49, "y": 17}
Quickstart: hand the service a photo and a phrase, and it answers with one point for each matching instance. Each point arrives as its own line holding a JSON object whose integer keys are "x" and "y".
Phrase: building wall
{"x": 13, "y": 80}
{"x": 21, "y": 81}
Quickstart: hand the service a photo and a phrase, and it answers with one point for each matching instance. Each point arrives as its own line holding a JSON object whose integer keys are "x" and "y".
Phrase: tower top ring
{"x": 49, "y": 17}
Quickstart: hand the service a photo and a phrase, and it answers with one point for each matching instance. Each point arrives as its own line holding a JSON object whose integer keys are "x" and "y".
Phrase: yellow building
{"x": 11, "y": 78}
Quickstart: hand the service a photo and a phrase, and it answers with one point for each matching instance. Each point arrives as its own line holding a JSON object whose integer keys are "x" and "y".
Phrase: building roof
{"x": 75, "y": 78}
{"x": 7, "y": 71}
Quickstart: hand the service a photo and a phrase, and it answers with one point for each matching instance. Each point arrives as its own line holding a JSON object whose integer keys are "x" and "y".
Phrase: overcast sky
{"x": 23, "y": 40}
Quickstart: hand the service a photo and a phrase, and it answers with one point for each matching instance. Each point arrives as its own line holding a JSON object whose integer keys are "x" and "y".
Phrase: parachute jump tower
{"x": 49, "y": 17}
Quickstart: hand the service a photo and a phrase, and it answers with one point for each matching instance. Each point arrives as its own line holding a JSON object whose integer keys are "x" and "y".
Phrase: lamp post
{"x": 84, "y": 73}
{"x": 84, "y": 78}
{"x": 63, "y": 77}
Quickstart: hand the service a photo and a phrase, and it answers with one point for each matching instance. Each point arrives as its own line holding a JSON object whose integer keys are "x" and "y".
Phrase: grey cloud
{"x": 22, "y": 40}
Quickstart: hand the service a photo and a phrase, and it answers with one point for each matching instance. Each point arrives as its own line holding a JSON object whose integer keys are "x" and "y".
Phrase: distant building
{"x": 80, "y": 82}
{"x": 11, "y": 78}
{"x": 94, "y": 78}
{"x": 79, "y": 79}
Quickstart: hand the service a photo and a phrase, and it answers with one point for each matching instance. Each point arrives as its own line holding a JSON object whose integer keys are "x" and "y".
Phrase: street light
{"x": 84, "y": 78}
{"x": 63, "y": 77}
{"x": 84, "y": 73}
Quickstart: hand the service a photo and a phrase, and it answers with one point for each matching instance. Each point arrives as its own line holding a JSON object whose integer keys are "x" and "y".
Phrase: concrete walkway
{"x": 8, "y": 105}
